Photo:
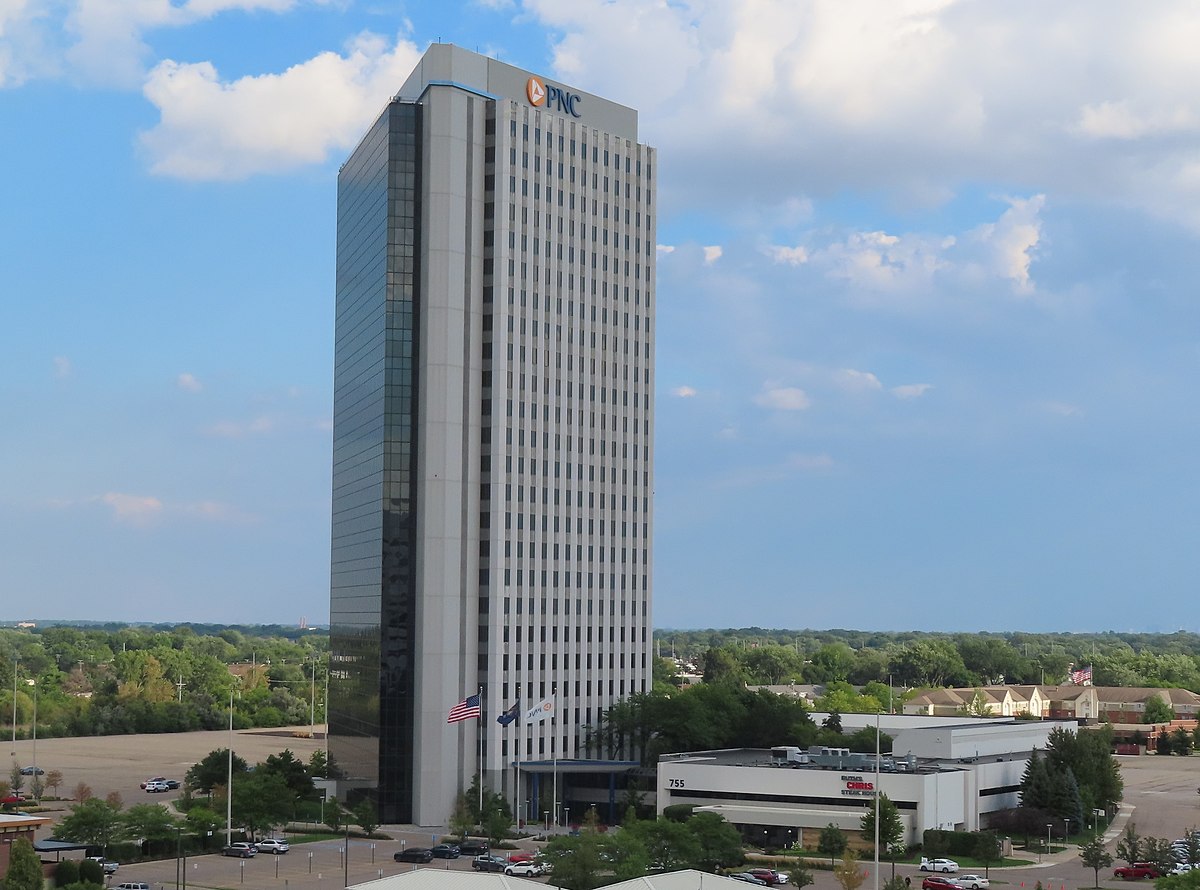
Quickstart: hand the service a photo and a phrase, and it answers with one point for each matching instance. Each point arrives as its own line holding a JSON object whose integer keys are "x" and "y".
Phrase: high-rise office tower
{"x": 493, "y": 430}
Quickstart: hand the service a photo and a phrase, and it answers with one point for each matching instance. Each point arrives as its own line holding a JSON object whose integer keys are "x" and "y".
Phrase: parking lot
{"x": 1160, "y": 796}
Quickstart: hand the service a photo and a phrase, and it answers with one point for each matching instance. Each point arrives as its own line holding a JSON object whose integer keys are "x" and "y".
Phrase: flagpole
{"x": 554, "y": 750}
{"x": 479, "y": 728}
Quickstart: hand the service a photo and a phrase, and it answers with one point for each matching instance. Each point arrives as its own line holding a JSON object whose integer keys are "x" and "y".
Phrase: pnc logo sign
{"x": 551, "y": 97}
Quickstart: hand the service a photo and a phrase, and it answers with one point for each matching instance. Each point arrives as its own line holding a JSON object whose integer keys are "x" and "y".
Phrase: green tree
{"x": 462, "y": 817}
{"x": 213, "y": 770}
{"x": 261, "y": 801}
{"x": 24, "y": 867}
{"x": 1094, "y": 856}
{"x": 719, "y": 843}
{"x": 849, "y": 876}
{"x": 54, "y": 778}
{"x": 151, "y": 822}
{"x": 832, "y": 842}
{"x": 576, "y": 861}
{"x": 1158, "y": 851}
{"x": 294, "y": 774}
{"x": 204, "y": 823}
{"x": 1130, "y": 845}
{"x": 94, "y": 822}
{"x": 987, "y": 849}
{"x": 669, "y": 845}
{"x": 891, "y": 829}
{"x": 977, "y": 705}
{"x": 1181, "y": 740}
{"x": 496, "y": 824}
{"x": 1157, "y": 710}
{"x": 366, "y": 816}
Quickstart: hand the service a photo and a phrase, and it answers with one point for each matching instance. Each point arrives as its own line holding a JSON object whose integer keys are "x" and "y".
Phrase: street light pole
{"x": 229, "y": 779}
{"x": 1048, "y": 826}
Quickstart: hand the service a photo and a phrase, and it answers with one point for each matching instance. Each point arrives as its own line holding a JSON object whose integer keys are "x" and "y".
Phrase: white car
{"x": 156, "y": 785}
{"x": 973, "y": 882}
{"x": 524, "y": 869}
{"x": 945, "y": 866}
{"x": 272, "y": 845}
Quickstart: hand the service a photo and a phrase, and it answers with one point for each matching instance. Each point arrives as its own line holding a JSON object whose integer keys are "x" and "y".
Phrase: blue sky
{"x": 928, "y": 320}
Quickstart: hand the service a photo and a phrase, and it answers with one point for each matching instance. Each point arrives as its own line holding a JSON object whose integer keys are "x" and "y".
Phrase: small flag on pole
{"x": 467, "y": 709}
{"x": 540, "y": 711}
{"x": 510, "y": 715}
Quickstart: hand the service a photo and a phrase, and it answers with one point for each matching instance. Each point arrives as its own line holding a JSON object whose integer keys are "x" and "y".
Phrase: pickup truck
{"x": 1136, "y": 871}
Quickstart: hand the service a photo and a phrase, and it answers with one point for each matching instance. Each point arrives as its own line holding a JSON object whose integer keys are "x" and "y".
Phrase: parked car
{"x": 474, "y": 847}
{"x": 153, "y": 779}
{"x": 946, "y": 866}
{"x": 524, "y": 869}
{"x": 239, "y": 848}
{"x": 14, "y": 797}
{"x": 32, "y": 771}
{"x": 1137, "y": 871}
{"x": 768, "y": 876}
{"x": 272, "y": 845}
{"x": 156, "y": 786}
{"x": 747, "y": 878}
{"x": 935, "y": 883}
{"x": 133, "y": 885}
{"x": 414, "y": 854}
{"x": 445, "y": 851}
{"x": 521, "y": 856}
{"x": 973, "y": 882}
{"x": 108, "y": 866}
{"x": 487, "y": 862}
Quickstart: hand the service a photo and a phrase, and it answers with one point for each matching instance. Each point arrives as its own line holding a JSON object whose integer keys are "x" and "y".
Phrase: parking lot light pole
{"x": 1048, "y": 827}
{"x": 1066, "y": 830}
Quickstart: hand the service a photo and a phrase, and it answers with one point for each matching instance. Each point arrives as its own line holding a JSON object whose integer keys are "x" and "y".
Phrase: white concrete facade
{"x": 962, "y": 772}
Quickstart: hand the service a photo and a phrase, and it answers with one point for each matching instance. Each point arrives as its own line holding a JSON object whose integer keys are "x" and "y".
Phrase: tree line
{"x": 918, "y": 659}
{"x": 91, "y": 681}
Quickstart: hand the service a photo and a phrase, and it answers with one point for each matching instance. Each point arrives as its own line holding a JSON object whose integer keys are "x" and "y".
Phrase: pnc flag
{"x": 540, "y": 711}
{"x": 511, "y": 714}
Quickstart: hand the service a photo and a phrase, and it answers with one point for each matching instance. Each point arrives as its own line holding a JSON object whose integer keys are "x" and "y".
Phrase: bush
{"x": 678, "y": 812}
{"x": 66, "y": 873}
{"x": 90, "y": 872}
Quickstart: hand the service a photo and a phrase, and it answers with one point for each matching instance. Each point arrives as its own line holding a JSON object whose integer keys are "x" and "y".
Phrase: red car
{"x": 935, "y": 883}
{"x": 1136, "y": 871}
{"x": 768, "y": 876}
{"x": 15, "y": 797}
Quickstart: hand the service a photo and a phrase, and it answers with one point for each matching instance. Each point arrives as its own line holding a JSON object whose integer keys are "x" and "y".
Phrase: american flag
{"x": 1082, "y": 676}
{"x": 467, "y": 709}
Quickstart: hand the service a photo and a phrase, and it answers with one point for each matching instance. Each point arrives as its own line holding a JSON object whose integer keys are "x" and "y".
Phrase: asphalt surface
{"x": 1160, "y": 797}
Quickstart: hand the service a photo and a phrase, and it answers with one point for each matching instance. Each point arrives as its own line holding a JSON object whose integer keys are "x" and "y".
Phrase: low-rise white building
{"x": 943, "y": 773}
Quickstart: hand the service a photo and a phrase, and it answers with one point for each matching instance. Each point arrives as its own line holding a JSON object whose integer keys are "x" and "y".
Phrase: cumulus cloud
{"x": 1013, "y": 238}
{"x": 683, "y": 392}
{"x": 783, "y": 398}
{"x": 911, "y": 390}
{"x": 188, "y": 382}
{"x": 912, "y": 96}
{"x": 880, "y": 261}
{"x": 712, "y": 253}
{"x": 791, "y": 256}
{"x": 215, "y": 129}
{"x": 857, "y": 381}
{"x": 62, "y": 367}
{"x": 132, "y": 508}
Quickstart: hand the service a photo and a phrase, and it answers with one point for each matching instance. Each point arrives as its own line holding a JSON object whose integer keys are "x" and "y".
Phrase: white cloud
{"x": 783, "y": 398}
{"x": 683, "y": 392}
{"x": 857, "y": 381}
{"x": 879, "y": 261}
{"x": 792, "y": 256}
{"x": 914, "y": 97}
{"x": 712, "y": 253}
{"x": 1012, "y": 239}
{"x": 911, "y": 390}
{"x": 135, "y": 509}
{"x": 62, "y": 367}
{"x": 666, "y": 248}
{"x": 188, "y": 382}
{"x": 211, "y": 129}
